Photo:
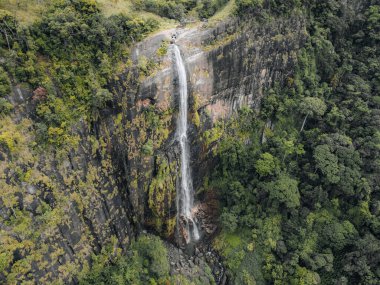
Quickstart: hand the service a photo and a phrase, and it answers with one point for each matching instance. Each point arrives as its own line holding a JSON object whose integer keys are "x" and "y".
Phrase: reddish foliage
{"x": 39, "y": 94}
{"x": 144, "y": 103}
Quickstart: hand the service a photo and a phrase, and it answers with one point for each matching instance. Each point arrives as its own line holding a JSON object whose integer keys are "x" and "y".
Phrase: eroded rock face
{"x": 72, "y": 202}
{"x": 228, "y": 66}
{"x": 231, "y": 65}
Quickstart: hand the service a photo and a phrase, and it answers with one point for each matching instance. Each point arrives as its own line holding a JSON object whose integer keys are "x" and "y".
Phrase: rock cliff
{"x": 123, "y": 174}
{"x": 229, "y": 66}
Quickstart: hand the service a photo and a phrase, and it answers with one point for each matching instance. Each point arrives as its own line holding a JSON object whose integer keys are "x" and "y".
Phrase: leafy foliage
{"x": 180, "y": 9}
{"x": 145, "y": 263}
{"x": 5, "y": 85}
{"x": 72, "y": 53}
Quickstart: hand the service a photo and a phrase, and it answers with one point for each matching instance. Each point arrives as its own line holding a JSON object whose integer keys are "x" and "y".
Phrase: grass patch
{"x": 221, "y": 42}
{"x": 226, "y": 243}
{"x": 25, "y": 11}
{"x": 112, "y": 7}
{"x": 223, "y": 13}
{"x": 29, "y": 11}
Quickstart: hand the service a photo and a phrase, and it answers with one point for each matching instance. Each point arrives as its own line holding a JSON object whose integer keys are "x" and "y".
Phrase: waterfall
{"x": 186, "y": 195}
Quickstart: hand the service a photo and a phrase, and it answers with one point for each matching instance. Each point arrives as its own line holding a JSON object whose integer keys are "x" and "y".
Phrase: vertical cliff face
{"x": 228, "y": 66}
{"x": 69, "y": 203}
{"x": 231, "y": 64}
{"x": 124, "y": 172}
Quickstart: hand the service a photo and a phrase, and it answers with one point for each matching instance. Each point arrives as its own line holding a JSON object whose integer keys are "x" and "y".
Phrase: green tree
{"x": 327, "y": 163}
{"x": 5, "y": 107}
{"x": 8, "y": 29}
{"x": 228, "y": 221}
{"x": 284, "y": 191}
{"x": 266, "y": 165}
{"x": 146, "y": 262}
{"x": 154, "y": 254}
{"x": 337, "y": 235}
{"x": 312, "y": 106}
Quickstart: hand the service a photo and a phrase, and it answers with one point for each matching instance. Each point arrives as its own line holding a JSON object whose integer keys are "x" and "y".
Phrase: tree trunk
{"x": 6, "y": 37}
{"x": 304, "y": 122}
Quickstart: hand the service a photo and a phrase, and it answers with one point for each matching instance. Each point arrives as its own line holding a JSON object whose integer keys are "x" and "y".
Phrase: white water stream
{"x": 186, "y": 195}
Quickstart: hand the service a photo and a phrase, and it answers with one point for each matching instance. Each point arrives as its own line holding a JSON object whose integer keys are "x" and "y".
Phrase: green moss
{"x": 161, "y": 195}
{"x": 146, "y": 67}
{"x": 5, "y": 84}
{"x": 221, "y": 41}
{"x": 163, "y": 49}
{"x": 147, "y": 148}
{"x": 196, "y": 119}
{"x": 232, "y": 248}
{"x": 213, "y": 135}
{"x": 9, "y": 140}
{"x": 194, "y": 109}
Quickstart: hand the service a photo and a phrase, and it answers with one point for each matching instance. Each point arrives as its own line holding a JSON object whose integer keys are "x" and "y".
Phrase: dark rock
{"x": 182, "y": 263}
{"x": 224, "y": 280}
{"x": 31, "y": 189}
{"x": 197, "y": 261}
{"x": 32, "y": 207}
{"x": 204, "y": 280}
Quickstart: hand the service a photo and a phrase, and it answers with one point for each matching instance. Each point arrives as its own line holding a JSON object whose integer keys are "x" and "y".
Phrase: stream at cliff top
{"x": 185, "y": 197}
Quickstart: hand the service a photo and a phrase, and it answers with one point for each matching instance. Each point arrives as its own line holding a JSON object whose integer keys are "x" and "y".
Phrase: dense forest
{"x": 297, "y": 177}
{"x": 304, "y": 194}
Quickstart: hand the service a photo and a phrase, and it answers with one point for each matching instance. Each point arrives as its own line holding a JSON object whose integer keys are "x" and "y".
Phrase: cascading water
{"x": 186, "y": 199}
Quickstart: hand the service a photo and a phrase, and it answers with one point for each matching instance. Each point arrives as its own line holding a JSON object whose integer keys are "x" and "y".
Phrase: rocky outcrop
{"x": 231, "y": 65}
{"x": 202, "y": 265}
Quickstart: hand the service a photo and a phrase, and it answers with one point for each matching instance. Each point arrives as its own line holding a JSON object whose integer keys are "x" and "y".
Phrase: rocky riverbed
{"x": 198, "y": 263}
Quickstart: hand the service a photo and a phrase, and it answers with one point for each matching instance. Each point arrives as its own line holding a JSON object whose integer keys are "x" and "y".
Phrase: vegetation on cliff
{"x": 66, "y": 58}
{"x": 145, "y": 263}
{"x": 180, "y": 9}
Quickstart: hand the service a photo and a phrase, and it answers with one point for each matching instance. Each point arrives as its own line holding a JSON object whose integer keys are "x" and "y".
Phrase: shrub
{"x": 5, "y": 84}
{"x": 229, "y": 221}
{"x": 5, "y": 107}
{"x": 177, "y": 9}
{"x": 207, "y": 8}
{"x": 145, "y": 263}
{"x": 8, "y": 28}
